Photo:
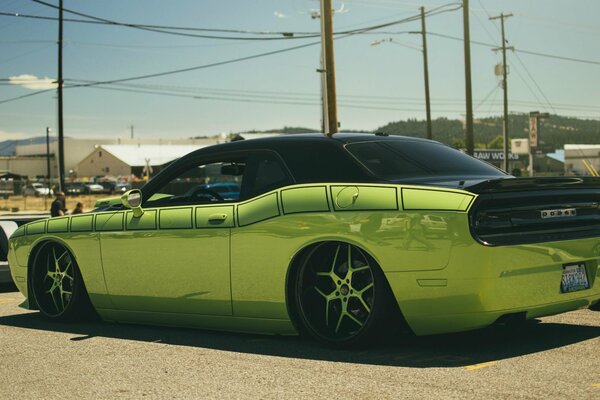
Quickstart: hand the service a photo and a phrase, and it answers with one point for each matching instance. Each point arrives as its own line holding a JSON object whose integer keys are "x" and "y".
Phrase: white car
{"x": 37, "y": 190}
{"x": 93, "y": 188}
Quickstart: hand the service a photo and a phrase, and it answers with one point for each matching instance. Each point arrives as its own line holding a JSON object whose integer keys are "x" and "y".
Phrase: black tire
{"x": 341, "y": 296}
{"x": 56, "y": 285}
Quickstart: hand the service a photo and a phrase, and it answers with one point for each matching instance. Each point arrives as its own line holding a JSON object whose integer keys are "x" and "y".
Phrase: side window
{"x": 208, "y": 183}
{"x": 267, "y": 174}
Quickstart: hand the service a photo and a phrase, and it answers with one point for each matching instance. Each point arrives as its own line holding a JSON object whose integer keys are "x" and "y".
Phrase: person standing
{"x": 58, "y": 208}
{"x": 78, "y": 209}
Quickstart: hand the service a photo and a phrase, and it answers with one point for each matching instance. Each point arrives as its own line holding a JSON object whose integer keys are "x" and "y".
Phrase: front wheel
{"x": 56, "y": 283}
{"x": 340, "y": 295}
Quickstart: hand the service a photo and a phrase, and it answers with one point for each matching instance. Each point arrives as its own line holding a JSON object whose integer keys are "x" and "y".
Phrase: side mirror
{"x": 133, "y": 199}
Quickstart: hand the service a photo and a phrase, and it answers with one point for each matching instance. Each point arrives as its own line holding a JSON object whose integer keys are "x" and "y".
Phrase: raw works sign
{"x": 494, "y": 155}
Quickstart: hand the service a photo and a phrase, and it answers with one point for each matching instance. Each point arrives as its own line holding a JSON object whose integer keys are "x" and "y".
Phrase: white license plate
{"x": 574, "y": 278}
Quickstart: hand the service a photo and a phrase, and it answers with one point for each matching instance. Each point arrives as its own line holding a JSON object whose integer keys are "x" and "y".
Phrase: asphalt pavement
{"x": 554, "y": 357}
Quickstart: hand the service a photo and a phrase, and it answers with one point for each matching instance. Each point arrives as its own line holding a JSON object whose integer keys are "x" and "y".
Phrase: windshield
{"x": 393, "y": 160}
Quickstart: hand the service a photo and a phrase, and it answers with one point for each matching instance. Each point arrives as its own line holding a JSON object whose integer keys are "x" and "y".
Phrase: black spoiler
{"x": 535, "y": 183}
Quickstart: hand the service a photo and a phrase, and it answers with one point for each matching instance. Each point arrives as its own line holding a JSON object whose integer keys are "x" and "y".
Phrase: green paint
{"x": 36, "y": 227}
{"x": 82, "y": 223}
{"x": 109, "y": 221}
{"x": 258, "y": 209}
{"x": 56, "y": 225}
{"x": 435, "y": 199}
{"x": 364, "y": 198}
{"x": 175, "y": 218}
{"x": 305, "y": 199}
{"x": 146, "y": 221}
{"x": 215, "y": 217}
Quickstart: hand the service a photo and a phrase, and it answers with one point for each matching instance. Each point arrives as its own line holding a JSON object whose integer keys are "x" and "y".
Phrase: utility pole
{"x": 131, "y": 128}
{"x": 330, "y": 121}
{"x": 469, "y": 142}
{"x": 47, "y": 166}
{"x": 61, "y": 143}
{"x": 48, "y": 130}
{"x": 426, "y": 74}
{"x": 502, "y": 17}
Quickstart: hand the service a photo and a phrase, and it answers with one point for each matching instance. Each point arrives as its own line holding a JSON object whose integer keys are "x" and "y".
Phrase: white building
{"x": 581, "y": 159}
{"x": 28, "y": 160}
{"x": 130, "y": 159}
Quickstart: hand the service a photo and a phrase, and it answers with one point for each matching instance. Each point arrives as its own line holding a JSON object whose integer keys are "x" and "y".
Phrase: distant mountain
{"x": 555, "y": 131}
{"x": 285, "y": 129}
{"x": 9, "y": 147}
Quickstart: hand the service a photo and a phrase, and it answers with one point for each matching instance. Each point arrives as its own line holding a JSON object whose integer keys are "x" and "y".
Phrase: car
{"x": 325, "y": 239}
{"x": 36, "y": 189}
{"x": 121, "y": 187}
{"x": 226, "y": 191}
{"x": 74, "y": 188}
{"x": 93, "y": 188}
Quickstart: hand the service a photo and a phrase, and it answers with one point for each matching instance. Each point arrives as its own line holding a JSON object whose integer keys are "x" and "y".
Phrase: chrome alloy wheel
{"x": 336, "y": 293}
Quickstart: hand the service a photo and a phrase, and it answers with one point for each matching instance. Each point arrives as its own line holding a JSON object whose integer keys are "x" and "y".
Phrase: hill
{"x": 555, "y": 131}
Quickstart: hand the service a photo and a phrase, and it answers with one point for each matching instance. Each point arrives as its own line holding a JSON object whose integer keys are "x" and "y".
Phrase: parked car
{"x": 74, "y": 188}
{"x": 36, "y": 189}
{"x": 107, "y": 186}
{"x": 290, "y": 255}
{"x": 7, "y": 188}
{"x": 121, "y": 187}
{"x": 93, "y": 188}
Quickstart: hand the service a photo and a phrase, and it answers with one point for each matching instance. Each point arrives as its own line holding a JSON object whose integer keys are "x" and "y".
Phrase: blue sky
{"x": 375, "y": 84}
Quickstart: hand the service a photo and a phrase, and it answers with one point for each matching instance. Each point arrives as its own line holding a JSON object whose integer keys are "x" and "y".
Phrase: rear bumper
{"x": 481, "y": 284}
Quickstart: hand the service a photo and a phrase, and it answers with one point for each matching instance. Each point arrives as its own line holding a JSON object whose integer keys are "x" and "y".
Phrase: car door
{"x": 175, "y": 257}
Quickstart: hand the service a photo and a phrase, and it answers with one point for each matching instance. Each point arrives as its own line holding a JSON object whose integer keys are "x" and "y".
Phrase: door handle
{"x": 217, "y": 218}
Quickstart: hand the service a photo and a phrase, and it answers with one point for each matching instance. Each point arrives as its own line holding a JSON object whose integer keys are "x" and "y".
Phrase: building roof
{"x": 158, "y": 154}
{"x": 582, "y": 146}
{"x": 558, "y": 155}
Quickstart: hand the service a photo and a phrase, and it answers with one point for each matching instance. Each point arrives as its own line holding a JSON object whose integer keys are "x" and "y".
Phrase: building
{"x": 582, "y": 159}
{"x": 130, "y": 159}
{"x": 30, "y": 159}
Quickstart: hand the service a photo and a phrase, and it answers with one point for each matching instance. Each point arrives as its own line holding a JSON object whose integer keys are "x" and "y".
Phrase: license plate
{"x": 574, "y": 278}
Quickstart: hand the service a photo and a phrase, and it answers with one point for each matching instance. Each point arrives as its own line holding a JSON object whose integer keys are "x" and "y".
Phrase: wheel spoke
{"x": 364, "y": 267}
{"x": 328, "y": 298}
{"x": 339, "y": 323}
{"x": 337, "y": 250}
{"x": 353, "y": 318}
{"x": 364, "y": 303}
{"x": 363, "y": 290}
{"x": 53, "y": 296}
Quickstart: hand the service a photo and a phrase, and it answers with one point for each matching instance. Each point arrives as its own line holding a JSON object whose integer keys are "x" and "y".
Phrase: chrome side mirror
{"x": 133, "y": 199}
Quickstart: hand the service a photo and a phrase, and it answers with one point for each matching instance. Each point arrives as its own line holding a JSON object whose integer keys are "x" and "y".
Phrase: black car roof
{"x": 316, "y": 138}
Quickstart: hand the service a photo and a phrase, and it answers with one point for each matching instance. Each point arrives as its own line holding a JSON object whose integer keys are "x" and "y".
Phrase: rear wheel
{"x": 340, "y": 294}
{"x": 56, "y": 283}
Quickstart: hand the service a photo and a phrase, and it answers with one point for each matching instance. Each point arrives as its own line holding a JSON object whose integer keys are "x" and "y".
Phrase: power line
{"x": 286, "y": 35}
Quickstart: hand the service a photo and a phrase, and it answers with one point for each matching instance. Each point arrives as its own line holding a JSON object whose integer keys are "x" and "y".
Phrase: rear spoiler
{"x": 535, "y": 183}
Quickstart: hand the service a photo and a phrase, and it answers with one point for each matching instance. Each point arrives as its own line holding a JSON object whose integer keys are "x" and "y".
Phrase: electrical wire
{"x": 286, "y": 35}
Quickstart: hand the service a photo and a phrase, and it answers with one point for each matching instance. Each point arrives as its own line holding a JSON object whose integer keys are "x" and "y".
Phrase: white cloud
{"x": 279, "y": 14}
{"x": 12, "y": 135}
{"x": 32, "y": 82}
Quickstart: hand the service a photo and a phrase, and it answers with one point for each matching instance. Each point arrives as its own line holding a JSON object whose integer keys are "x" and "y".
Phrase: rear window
{"x": 393, "y": 160}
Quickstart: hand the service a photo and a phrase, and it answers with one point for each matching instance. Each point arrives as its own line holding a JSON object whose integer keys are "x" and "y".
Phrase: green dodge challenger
{"x": 330, "y": 237}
